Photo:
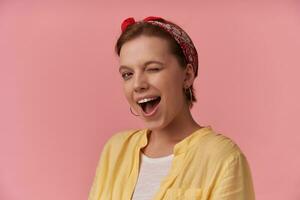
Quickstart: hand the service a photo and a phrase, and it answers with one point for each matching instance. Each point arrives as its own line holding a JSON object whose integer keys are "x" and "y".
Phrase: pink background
{"x": 61, "y": 96}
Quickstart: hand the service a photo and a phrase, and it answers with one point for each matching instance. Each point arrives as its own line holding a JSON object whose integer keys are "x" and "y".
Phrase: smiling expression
{"x": 149, "y": 69}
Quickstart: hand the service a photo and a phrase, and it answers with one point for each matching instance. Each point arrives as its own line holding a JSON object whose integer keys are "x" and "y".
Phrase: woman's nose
{"x": 140, "y": 83}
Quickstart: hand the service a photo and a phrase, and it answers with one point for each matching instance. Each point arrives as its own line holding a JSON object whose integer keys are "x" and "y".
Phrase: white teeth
{"x": 147, "y": 99}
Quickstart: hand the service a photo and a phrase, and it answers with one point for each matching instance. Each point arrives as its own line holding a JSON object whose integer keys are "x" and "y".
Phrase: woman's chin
{"x": 155, "y": 124}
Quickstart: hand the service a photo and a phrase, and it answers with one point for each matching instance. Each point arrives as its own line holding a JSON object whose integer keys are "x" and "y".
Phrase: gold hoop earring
{"x": 133, "y": 112}
{"x": 190, "y": 93}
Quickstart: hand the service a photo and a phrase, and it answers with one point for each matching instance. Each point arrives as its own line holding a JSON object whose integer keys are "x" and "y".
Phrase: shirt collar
{"x": 184, "y": 144}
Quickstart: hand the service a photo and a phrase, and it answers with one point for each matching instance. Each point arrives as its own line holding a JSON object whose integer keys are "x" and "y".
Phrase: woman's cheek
{"x": 127, "y": 93}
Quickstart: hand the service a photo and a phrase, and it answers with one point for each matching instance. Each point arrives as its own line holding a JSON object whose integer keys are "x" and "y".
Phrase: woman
{"x": 173, "y": 157}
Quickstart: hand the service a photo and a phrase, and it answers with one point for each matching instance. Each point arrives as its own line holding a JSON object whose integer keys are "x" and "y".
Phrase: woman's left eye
{"x": 153, "y": 69}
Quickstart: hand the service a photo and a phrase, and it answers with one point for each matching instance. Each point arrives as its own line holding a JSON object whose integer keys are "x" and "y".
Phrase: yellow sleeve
{"x": 100, "y": 176}
{"x": 236, "y": 180}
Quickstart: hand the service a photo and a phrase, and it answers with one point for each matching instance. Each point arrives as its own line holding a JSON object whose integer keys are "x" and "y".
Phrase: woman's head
{"x": 156, "y": 64}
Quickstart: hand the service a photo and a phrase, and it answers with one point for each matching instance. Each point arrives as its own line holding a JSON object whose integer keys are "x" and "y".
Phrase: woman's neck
{"x": 162, "y": 141}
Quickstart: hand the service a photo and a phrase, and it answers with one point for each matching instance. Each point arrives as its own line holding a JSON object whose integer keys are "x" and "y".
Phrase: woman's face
{"x": 151, "y": 72}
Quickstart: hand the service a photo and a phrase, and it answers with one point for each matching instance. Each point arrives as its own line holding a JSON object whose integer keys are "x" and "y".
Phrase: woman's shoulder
{"x": 219, "y": 145}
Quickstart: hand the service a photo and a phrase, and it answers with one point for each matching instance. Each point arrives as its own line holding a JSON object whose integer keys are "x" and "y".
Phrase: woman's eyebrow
{"x": 153, "y": 61}
{"x": 123, "y": 67}
{"x": 145, "y": 64}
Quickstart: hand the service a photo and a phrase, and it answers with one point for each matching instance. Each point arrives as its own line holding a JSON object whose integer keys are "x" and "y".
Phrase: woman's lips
{"x": 153, "y": 109}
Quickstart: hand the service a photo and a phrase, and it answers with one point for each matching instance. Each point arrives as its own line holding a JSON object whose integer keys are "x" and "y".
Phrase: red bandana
{"x": 176, "y": 32}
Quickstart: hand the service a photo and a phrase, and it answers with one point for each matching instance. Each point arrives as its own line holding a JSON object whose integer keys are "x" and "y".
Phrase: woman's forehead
{"x": 144, "y": 49}
{"x": 145, "y": 44}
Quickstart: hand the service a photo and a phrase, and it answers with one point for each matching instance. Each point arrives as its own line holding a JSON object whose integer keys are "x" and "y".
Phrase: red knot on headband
{"x": 181, "y": 37}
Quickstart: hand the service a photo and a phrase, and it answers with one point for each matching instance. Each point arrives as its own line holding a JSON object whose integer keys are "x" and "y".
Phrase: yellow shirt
{"x": 206, "y": 166}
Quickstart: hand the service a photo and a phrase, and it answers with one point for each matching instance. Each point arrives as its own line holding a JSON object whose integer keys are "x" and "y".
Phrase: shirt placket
{"x": 170, "y": 178}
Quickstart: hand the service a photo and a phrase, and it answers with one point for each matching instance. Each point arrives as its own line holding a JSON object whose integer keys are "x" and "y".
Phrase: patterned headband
{"x": 181, "y": 37}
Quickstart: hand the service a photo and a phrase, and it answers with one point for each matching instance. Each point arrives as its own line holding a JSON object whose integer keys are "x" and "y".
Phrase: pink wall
{"x": 61, "y": 96}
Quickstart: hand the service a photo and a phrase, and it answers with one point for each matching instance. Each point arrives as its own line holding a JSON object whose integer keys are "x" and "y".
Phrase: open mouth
{"x": 149, "y": 106}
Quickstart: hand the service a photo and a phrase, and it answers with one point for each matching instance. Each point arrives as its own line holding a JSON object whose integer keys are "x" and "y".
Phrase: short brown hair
{"x": 143, "y": 28}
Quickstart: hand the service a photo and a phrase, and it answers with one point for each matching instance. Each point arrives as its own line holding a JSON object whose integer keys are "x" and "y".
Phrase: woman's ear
{"x": 189, "y": 75}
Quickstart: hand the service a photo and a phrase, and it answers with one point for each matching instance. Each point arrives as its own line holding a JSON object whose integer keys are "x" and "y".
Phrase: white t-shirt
{"x": 151, "y": 173}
